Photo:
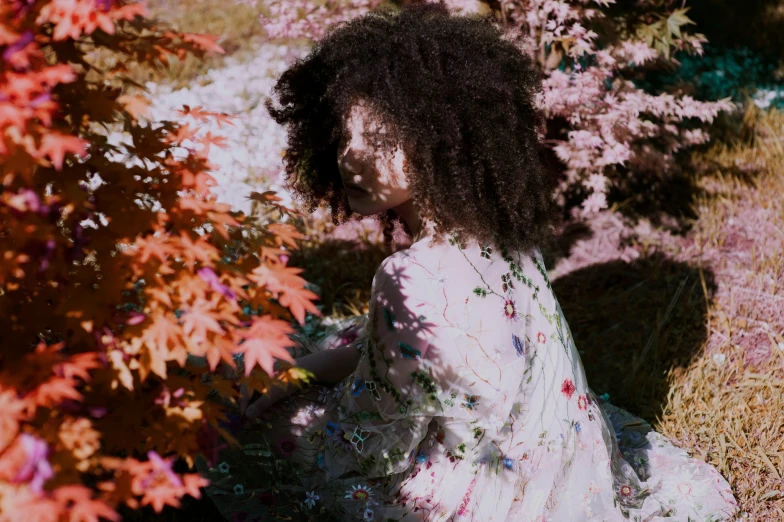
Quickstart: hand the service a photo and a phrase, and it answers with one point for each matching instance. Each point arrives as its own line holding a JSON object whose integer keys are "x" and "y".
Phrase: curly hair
{"x": 460, "y": 99}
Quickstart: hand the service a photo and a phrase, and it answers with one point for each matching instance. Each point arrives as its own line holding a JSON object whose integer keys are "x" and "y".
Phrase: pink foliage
{"x": 612, "y": 122}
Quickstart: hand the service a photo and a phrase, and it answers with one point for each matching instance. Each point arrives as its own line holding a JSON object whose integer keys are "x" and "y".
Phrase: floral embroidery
{"x": 519, "y": 346}
{"x": 626, "y": 491}
{"x": 577, "y": 427}
{"x": 409, "y": 352}
{"x": 311, "y": 498}
{"x": 223, "y": 467}
{"x": 357, "y": 388}
{"x": 239, "y": 489}
{"x": 358, "y": 438}
{"x": 509, "y": 309}
{"x": 582, "y": 403}
{"x": 463, "y": 509}
{"x": 470, "y": 402}
{"x": 506, "y": 282}
{"x": 358, "y": 492}
{"x": 508, "y": 463}
{"x": 567, "y": 388}
{"x": 542, "y": 338}
{"x": 486, "y": 251}
{"x": 373, "y": 390}
{"x": 368, "y": 514}
{"x": 287, "y": 446}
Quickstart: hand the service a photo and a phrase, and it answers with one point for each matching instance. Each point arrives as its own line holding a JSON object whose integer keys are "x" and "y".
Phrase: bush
{"x": 118, "y": 267}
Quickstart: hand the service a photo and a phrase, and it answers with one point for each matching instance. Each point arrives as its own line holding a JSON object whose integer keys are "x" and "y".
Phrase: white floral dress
{"x": 469, "y": 402}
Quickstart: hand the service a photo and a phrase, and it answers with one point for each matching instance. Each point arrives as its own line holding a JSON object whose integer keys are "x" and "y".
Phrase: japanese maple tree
{"x": 116, "y": 264}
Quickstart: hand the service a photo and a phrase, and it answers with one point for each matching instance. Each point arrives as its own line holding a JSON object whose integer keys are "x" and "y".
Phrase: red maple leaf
{"x": 205, "y": 41}
{"x": 267, "y": 338}
{"x": 80, "y": 506}
{"x": 55, "y": 146}
{"x": 288, "y": 286}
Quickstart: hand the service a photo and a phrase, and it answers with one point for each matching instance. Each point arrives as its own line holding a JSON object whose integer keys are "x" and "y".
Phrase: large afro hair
{"x": 460, "y": 99}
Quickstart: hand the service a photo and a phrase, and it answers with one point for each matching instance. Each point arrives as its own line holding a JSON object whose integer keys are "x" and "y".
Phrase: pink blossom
{"x": 35, "y": 470}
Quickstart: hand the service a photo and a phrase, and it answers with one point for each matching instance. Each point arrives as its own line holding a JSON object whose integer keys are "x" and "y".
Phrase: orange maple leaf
{"x": 266, "y": 338}
{"x": 56, "y": 145}
{"x": 289, "y": 287}
{"x": 200, "y": 114}
{"x": 79, "y": 505}
{"x": 135, "y": 105}
{"x": 205, "y": 41}
{"x": 199, "y": 319}
{"x": 285, "y": 233}
{"x": 221, "y": 349}
{"x": 54, "y": 391}
{"x": 299, "y": 301}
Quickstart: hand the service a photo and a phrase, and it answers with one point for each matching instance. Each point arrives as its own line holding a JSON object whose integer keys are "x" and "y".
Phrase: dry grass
{"x": 732, "y": 414}
{"x": 235, "y": 23}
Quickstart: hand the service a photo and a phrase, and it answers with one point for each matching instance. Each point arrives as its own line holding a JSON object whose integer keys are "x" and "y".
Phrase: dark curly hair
{"x": 461, "y": 102}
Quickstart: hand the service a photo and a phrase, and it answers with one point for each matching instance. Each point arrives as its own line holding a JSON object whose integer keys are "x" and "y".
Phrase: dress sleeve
{"x": 395, "y": 391}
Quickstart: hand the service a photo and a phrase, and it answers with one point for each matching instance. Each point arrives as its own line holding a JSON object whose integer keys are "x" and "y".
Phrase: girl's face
{"x": 370, "y": 165}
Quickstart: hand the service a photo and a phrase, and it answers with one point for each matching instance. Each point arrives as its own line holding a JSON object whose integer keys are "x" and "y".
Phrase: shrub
{"x": 118, "y": 266}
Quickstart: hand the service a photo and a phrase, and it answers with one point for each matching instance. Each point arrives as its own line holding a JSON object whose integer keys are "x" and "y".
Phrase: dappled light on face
{"x": 370, "y": 165}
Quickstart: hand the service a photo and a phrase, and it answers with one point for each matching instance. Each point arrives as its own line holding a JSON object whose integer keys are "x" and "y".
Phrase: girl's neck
{"x": 409, "y": 214}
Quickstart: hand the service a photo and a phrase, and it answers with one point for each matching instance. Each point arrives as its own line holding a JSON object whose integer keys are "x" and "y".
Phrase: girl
{"x": 461, "y": 394}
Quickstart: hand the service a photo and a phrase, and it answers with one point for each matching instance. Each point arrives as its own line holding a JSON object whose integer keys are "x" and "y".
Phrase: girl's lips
{"x": 355, "y": 191}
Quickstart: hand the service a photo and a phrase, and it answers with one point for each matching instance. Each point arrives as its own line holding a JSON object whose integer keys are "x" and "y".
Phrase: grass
{"x": 236, "y": 24}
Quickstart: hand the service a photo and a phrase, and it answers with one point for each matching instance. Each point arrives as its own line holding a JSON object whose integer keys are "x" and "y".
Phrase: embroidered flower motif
{"x": 519, "y": 345}
{"x": 239, "y": 489}
{"x": 486, "y": 251}
{"x": 320, "y": 460}
{"x": 506, "y": 282}
{"x": 509, "y": 309}
{"x": 373, "y": 390}
{"x": 595, "y": 489}
{"x": 368, "y": 514}
{"x": 223, "y": 467}
{"x": 626, "y": 491}
{"x": 409, "y": 352}
{"x": 287, "y": 446}
{"x": 358, "y": 492}
{"x": 567, "y": 388}
{"x": 470, "y": 402}
{"x": 542, "y": 338}
{"x": 358, "y": 438}
{"x": 582, "y": 403}
{"x": 311, "y": 498}
{"x": 577, "y": 427}
{"x": 331, "y": 428}
{"x": 357, "y": 387}
{"x": 508, "y": 463}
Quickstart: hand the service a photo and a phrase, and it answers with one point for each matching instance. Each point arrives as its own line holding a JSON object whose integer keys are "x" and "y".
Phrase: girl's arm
{"x": 329, "y": 367}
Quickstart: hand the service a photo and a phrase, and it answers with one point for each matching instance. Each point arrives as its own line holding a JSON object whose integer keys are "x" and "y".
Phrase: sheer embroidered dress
{"x": 469, "y": 402}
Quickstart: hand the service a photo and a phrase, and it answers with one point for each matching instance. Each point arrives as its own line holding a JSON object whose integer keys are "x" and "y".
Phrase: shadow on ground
{"x": 632, "y": 322}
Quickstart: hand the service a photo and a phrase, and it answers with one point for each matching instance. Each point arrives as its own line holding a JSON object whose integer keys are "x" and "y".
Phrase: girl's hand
{"x": 260, "y": 405}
